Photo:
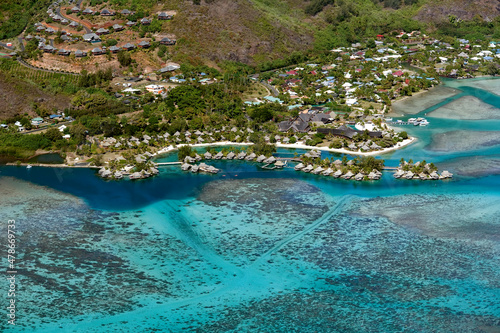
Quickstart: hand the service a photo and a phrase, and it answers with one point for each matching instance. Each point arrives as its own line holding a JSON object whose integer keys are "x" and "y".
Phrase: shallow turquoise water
{"x": 250, "y": 250}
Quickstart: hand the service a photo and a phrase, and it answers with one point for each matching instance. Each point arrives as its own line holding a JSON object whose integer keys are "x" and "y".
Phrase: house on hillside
{"x": 155, "y": 89}
{"x": 40, "y": 28}
{"x": 63, "y": 52}
{"x": 75, "y": 9}
{"x": 118, "y": 27}
{"x": 80, "y": 53}
{"x": 91, "y": 38}
{"x": 128, "y": 46}
{"x": 145, "y": 21}
{"x": 49, "y": 49}
{"x": 167, "y": 41}
{"x": 36, "y": 121}
{"x": 114, "y": 49}
{"x": 97, "y": 51}
{"x": 125, "y": 12}
{"x": 88, "y": 11}
{"x": 50, "y": 31}
{"x": 164, "y": 16}
{"x": 74, "y": 24}
{"x": 107, "y": 12}
{"x": 102, "y": 31}
{"x": 64, "y": 21}
{"x": 144, "y": 44}
{"x": 130, "y": 24}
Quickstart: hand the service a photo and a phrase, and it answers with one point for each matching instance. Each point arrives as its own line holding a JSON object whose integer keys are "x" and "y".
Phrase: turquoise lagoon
{"x": 251, "y": 250}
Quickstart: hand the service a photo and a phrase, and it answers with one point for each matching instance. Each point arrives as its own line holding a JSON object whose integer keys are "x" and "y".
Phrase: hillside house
{"x": 144, "y": 44}
{"x": 167, "y": 41}
{"x": 164, "y": 16}
{"x": 128, "y": 46}
{"x": 145, "y": 21}
{"x": 97, "y": 51}
{"x": 102, "y": 31}
{"x": 36, "y": 121}
{"x": 114, "y": 49}
{"x": 91, "y": 38}
{"x": 155, "y": 89}
{"x": 63, "y": 52}
{"x": 107, "y": 12}
{"x": 80, "y": 53}
{"x": 118, "y": 27}
{"x": 49, "y": 49}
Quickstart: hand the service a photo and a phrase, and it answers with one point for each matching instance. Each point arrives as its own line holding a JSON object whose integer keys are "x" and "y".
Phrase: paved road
{"x": 21, "y": 42}
{"x": 58, "y": 12}
{"x": 270, "y": 87}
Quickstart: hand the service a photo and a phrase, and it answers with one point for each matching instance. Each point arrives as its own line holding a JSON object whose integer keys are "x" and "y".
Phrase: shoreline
{"x": 298, "y": 145}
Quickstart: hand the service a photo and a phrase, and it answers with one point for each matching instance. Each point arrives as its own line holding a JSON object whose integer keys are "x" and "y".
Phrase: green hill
{"x": 16, "y": 14}
{"x": 258, "y": 31}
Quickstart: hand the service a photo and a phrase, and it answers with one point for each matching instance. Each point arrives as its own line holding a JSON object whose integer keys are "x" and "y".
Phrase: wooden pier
{"x": 168, "y": 163}
{"x": 399, "y": 123}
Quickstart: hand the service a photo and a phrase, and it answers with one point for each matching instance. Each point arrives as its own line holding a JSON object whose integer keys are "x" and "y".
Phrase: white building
{"x": 155, "y": 89}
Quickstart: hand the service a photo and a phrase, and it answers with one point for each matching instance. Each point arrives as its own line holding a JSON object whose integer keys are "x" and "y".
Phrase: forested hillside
{"x": 259, "y": 31}
{"x": 16, "y": 14}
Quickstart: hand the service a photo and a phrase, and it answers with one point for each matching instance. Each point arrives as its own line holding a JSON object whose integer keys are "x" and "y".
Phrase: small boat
{"x": 412, "y": 120}
{"x": 28, "y": 167}
{"x": 421, "y": 122}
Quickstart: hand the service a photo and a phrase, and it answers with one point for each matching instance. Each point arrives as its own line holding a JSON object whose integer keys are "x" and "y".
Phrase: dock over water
{"x": 168, "y": 163}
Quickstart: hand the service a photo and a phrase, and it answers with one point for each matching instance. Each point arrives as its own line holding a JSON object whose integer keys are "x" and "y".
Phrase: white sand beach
{"x": 298, "y": 145}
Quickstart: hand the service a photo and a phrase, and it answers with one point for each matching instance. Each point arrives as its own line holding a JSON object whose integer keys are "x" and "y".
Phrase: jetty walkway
{"x": 168, "y": 163}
